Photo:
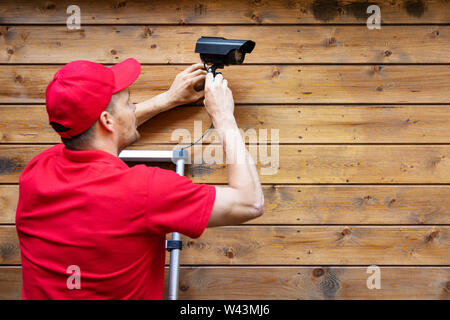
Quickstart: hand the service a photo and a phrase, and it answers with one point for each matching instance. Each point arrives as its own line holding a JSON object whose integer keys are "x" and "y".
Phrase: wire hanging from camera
{"x": 195, "y": 142}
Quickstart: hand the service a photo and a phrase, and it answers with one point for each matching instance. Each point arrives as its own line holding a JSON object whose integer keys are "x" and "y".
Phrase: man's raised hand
{"x": 183, "y": 89}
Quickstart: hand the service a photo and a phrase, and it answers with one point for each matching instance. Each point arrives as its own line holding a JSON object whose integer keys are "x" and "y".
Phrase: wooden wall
{"x": 364, "y": 131}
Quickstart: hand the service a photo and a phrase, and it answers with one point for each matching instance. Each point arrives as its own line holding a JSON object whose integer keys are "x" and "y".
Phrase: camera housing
{"x": 222, "y": 52}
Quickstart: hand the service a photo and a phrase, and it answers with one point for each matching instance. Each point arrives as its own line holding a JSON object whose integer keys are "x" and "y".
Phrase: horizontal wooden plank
{"x": 224, "y": 12}
{"x": 326, "y": 205}
{"x": 292, "y": 164}
{"x": 9, "y": 245}
{"x": 205, "y": 283}
{"x": 355, "y": 205}
{"x": 313, "y": 283}
{"x": 305, "y": 245}
{"x": 10, "y": 283}
{"x": 9, "y": 196}
{"x": 300, "y": 124}
{"x": 299, "y": 245}
{"x": 269, "y": 83}
{"x": 176, "y": 44}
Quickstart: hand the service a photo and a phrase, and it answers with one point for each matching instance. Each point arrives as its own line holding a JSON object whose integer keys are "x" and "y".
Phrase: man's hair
{"x": 83, "y": 140}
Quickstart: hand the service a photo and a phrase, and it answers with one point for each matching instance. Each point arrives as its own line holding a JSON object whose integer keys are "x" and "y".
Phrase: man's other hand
{"x": 218, "y": 100}
{"x": 182, "y": 90}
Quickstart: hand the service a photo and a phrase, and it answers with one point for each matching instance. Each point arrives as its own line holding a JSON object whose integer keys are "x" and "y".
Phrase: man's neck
{"x": 106, "y": 147}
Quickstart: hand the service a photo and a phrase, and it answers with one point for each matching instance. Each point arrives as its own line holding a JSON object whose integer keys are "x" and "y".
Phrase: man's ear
{"x": 106, "y": 121}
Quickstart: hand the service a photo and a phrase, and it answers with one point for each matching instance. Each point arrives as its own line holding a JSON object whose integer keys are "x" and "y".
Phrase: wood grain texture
{"x": 275, "y": 84}
{"x": 10, "y": 283}
{"x": 295, "y": 124}
{"x": 322, "y": 283}
{"x": 331, "y": 245}
{"x": 9, "y": 196}
{"x": 325, "y": 205}
{"x": 388, "y": 87}
{"x": 9, "y": 245}
{"x": 296, "y": 164}
{"x": 318, "y": 282}
{"x": 176, "y": 44}
{"x": 220, "y": 12}
{"x": 299, "y": 245}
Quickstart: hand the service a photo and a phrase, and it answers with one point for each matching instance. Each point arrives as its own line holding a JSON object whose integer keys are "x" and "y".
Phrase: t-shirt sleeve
{"x": 176, "y": 204}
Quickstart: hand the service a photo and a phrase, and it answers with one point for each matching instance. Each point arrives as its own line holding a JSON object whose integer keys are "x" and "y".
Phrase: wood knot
{"x": 433, "y": 235}
{"x": 190, "y": 243}
{"x": 377, "y": 68}
{"x": 256, "y": 18}
{"x": 50, "y": 6}
{"x": 153, "y": 46}
{"x": 200, "y": 9}
{"x": 318, "y": 272}
{"x": 379, "y": 89}
{"x": 120, "y": 4}
{"x": 113, "y": 51}
{"x": 387, "y": 53}
{"x": 346, "y": 232}
{"x": 275, "y": 73}
{"x": 229, "y": 253}
{"x": 18, "y": 78}
{"x": 184, "y": 287}
{"x": 147, "y": 32}
{"x": 10, "y": 51}
{"x": 330, "y": 42}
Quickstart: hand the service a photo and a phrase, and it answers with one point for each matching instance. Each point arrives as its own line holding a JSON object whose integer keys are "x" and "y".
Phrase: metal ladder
{"x": 179, "y": 157}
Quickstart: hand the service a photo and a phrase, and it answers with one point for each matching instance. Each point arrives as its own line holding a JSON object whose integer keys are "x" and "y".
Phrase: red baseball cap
{"x": 81, "y": 90}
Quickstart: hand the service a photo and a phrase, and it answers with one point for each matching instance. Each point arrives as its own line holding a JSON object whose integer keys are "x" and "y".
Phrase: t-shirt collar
{"x": 92, "y": 155}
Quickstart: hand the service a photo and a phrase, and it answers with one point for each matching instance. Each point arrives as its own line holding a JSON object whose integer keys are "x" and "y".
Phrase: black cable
{"x": 195, "y": 142}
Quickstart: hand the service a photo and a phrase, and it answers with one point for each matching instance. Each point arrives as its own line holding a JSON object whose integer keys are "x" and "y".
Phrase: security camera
{"x": 222, "y": 52}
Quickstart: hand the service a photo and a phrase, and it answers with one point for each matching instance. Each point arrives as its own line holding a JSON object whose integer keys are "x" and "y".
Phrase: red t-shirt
{"x": 87, "y": 213}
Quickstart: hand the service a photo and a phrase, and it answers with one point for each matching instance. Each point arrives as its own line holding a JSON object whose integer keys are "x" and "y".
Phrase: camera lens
{"x": 236, "y": 56}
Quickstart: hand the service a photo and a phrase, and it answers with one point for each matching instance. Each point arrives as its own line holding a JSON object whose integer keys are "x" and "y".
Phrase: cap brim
{"x": 125, "y": 73}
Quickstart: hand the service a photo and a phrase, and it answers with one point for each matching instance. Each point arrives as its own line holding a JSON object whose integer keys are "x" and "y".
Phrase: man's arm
{"x": 181, "y": 92}
{"x": 243, "y": 198}
{"x": 149, "y": 108}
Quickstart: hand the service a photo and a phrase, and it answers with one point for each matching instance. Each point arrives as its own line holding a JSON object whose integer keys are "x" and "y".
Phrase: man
{"x": 89, "y": 226}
